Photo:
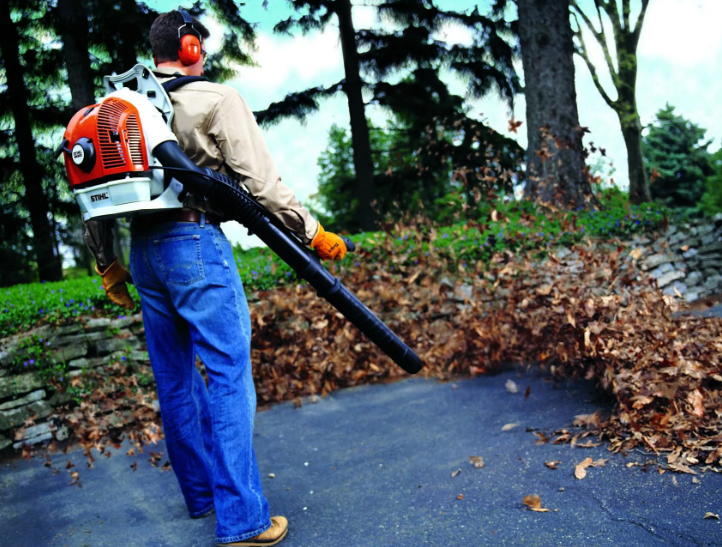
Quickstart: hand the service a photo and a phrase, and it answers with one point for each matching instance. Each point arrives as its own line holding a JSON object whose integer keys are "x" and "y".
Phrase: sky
{"x": 679, "y": 55}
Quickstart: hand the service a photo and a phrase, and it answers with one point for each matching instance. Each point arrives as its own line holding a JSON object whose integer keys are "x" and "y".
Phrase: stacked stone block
{"x": 687, "y": 259}
{"x": 94, "y": 343}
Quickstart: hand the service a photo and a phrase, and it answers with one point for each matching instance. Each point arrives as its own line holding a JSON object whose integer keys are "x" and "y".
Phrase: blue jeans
{"x": 193, "y": 304}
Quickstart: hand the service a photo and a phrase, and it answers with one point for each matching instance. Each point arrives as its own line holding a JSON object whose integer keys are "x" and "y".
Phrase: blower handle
{"x": 238, "y": 205}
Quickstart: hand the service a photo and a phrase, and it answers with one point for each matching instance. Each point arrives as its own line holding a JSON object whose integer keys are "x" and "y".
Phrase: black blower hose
{"x": 238, "y": 205}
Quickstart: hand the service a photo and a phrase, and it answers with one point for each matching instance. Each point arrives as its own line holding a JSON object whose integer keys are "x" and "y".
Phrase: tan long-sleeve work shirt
{"x": 216, "y": 129}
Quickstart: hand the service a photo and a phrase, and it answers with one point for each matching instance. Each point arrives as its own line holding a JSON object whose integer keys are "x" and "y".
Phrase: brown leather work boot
{"x": 277, "y": 531}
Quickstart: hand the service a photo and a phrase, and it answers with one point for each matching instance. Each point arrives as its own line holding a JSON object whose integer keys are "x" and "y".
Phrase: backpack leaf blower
{"x": 116, "y": 153}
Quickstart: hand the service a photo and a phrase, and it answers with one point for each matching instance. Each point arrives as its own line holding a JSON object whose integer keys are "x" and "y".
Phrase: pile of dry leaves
{"x": 591, "y": 314}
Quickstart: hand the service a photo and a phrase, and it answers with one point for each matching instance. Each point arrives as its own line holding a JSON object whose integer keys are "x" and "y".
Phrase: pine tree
{"x": 712, "y": 198}
{"x": 487, "y": 65}
{"x": 675, "y": 153}
{"x": 31, "y": 70}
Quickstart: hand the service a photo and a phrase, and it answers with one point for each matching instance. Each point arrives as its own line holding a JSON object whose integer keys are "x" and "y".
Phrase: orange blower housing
{"x": 108, "y": 149}
{"x": 106, "y": 143}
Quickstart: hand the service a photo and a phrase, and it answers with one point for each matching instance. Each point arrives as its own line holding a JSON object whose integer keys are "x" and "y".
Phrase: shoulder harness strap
{"x": 175, "y": 83}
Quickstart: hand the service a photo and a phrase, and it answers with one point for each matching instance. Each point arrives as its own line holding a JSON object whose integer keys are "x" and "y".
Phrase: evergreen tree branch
{"x": 297, "y": 105}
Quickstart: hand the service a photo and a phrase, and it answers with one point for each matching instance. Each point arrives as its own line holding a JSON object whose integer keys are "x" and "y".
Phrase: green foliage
{"x": 410, "y": 176}
{"x": 26, "y": 306}
{"x": 34, "y": 355}
{"x": 677, "y": 159}
{"x": 712, "y": 198}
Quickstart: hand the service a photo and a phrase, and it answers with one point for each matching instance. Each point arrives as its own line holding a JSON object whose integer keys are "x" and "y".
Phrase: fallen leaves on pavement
{"x": 533, "y": 502}
{"x": 580, "y": 471}
{"x": 476, "y": 461}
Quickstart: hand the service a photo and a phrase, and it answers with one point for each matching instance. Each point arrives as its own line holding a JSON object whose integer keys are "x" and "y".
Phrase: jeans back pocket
{"x": 180, "y": 259}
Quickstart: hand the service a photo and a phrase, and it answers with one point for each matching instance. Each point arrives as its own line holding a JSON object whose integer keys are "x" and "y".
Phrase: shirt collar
{"x": 167, "y": 71}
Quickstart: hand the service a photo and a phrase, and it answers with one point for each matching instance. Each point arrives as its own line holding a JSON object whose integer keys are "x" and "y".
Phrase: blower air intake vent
{"x": 134, "y": 143}
{"x": 110, "y": 135}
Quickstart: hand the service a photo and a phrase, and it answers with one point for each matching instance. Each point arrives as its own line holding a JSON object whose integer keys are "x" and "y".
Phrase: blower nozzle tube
{"x": 238, "y": 205}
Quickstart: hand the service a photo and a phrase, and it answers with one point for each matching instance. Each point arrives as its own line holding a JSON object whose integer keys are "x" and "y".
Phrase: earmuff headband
{"x": 187, "y": 21}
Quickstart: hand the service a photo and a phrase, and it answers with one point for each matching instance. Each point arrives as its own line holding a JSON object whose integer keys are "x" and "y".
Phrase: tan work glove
{"x": 115, "y": 279}
{"x": 329, "y": 246}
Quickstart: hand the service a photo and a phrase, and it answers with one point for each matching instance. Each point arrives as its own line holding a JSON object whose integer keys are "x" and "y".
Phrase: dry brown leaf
{"x": 581, "y": 469}
{"x": 476, "y": 461}
{"x": 682, "y": 468}
{"x": 695, "y": 399}
{"x": 509, "y": 427}
{"x": 453, "y": 474}
{"x": 588, "y": 444}
{"x": 554, "y": 464}
{"x": 545, "y": 290}
{"x": 460, "y": 497}
{"x": 709, "y": 515}
{"x": 541, "y": 438}
{"x": 511, "y": 386}
{"x": 636, "y": 253}
{"x": 533, "y": 502}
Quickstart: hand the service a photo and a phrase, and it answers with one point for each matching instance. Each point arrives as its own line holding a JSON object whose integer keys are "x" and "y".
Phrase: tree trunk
{"x": 626, "y": 109}
{"x": 363, "y": 163}
{"x": 127, "y": 57}
{"x": 638, "y": 183}
{"x": 555, "y": 160}
{"x": 73, "y": 26}
{"x": 49, "y": 265}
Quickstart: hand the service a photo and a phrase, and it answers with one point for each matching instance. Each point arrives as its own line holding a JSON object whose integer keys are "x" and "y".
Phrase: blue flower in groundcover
{"x": 32, "y": 361}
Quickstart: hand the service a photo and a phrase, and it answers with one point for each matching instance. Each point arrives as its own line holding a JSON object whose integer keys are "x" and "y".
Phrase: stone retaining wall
{"x": 83, "y": 346}
{"x": 687, "y": 259}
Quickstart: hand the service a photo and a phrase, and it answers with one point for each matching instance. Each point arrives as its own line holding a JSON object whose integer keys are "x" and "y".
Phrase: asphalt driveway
{"x": 373, "y": 466}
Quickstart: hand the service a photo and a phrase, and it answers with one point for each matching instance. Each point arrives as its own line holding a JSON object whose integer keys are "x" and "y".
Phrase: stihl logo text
{"x": 99, "y": 197}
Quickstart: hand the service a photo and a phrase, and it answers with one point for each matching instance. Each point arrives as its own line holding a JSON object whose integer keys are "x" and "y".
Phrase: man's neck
{"x": 180, "y": 67}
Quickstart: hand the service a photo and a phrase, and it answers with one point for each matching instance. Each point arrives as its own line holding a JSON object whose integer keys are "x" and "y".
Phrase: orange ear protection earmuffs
{"x": 189, "y": 45}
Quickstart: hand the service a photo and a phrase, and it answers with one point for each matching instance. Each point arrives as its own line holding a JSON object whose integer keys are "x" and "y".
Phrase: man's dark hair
{"x": 164, "y": 35}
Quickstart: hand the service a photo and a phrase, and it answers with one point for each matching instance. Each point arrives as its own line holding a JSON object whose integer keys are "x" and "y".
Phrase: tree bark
{"x": 555, "y": 156}
{"x": 363, "y": 163}
{"x": 49, "y": 264}
{"x": 626, "y": 109}
{"x": 73, "y": 27}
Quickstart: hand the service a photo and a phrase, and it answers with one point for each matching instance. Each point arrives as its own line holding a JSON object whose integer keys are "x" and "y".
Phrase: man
{"x": 192, "y": 299}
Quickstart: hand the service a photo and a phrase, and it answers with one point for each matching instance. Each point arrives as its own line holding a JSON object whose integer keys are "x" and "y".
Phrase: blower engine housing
{"x": 108, "y": 150}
